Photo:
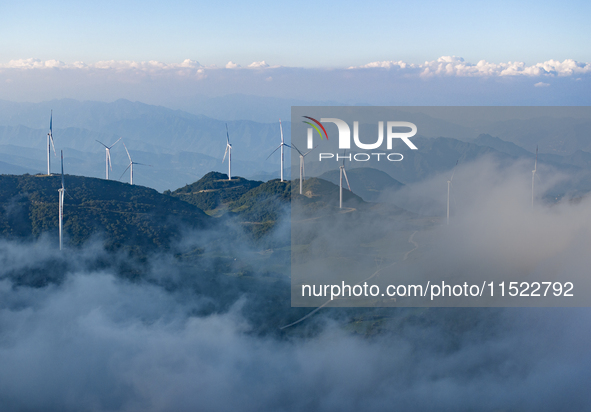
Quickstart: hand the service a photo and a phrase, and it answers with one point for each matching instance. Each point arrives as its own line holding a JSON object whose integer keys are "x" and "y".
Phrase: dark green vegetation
{"x": 141, "y": 219}
{"x": 156, "y": 238}
{"x": 214, "y": 190}
{"x": 133, "y": 216}
{"x": 319, "y": 195}
{"x": 258, "y": 206}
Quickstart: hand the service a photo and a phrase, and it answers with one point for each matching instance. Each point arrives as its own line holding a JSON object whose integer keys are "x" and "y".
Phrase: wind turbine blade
{"x": 344, "y": 154}
{"x": 294, "y": 146}
{"x": 51, "y": 123}
{"x": 536, "y": 162}
{"x": 347, "y": 180}
{"x": 52, "y": 145}
{"x": 309, "y": 150}
{"x": 285, "y": 144}
{"x": 127, "y": 151}
{"x": 142, "y": 164}
{"x": 106, "y": 147}
{"x": 273, "y": 152}
{"x": 454, "y": 171}
{"x": 303, "y": 169}
{"x": 225, "y": 153}
{"x": 62, "y": 154}
{"x": 227, "y": 135}
{"x": 109, "y": 159}
{"x": 281, "y": 128}
{"x": 128, "y": 166}
{"x": 113, "y": 143}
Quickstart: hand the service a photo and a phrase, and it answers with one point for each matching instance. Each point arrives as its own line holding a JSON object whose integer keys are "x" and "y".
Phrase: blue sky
{"x": 297, "y": 34}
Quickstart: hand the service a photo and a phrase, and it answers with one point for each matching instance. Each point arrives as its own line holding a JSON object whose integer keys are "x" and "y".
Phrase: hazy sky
{"x": 385, "y": 53}
{"x": 296, "y": 34}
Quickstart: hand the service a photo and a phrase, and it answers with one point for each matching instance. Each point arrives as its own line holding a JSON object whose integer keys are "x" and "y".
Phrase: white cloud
{"x": 258, "y": 65}
{"x": 456, "y": 66}
{"x": 149, "y": 66}
{"x": 380, "y": 82}
{"x": 443, "y": 66}
{"x": 541, "y": 84}
{"x": 33, "y": 64}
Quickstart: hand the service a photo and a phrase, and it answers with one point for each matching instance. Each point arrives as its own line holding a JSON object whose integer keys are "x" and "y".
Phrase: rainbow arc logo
{"x": 316, "y": 127}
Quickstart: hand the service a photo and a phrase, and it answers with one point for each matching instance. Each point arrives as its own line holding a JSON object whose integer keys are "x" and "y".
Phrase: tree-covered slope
{"x": 123, "y": 214}
{"x": 214, "y": 190}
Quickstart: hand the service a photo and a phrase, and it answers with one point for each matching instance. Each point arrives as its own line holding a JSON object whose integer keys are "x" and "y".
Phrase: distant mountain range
{"x": 180, "y": 147}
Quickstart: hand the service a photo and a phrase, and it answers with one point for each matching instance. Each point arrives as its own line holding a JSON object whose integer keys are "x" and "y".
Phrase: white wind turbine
{"x": 130, "y": 166}
{"x": 229, "y": 153}
{"x": 448, "y": 189}
{"x": 533, "y": 175}
{"x": 61, "y": 193}
{"x": 280, "y": 147}
{"x": 50, "y": 144}
{"x": 343, "y": 172}
{"x": 108, "y": 156}
{"x": 302, "y": 155}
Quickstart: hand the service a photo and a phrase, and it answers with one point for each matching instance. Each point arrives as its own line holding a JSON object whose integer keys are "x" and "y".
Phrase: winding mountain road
{"x": 410, "y": 240}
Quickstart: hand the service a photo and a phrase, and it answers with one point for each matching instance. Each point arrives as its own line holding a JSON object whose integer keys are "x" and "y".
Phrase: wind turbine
{"x": 533, "y": 175}
{"x": 448, "y": 188}
{"x": 302, "y": 155}
{"x": 130, "y": 166}
{"x": 61, "y": 193}
{"x": 280, "y": 147}
{"x": 108, "y": 156}
{"x": 229, "y": 153}
{"x": 50, "y": 144}
{"x": 343, "y": 172}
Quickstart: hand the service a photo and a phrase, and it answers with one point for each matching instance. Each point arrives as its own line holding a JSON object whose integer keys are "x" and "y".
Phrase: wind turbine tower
{"x": 448, "y": 189}
{"x": 61, "y": 193}
{"x": 108, "y": 156}
{"x": 50, "y": 144}
{"x": 533, "y": 176}
{"x": 343, "y": 172}
{"x": 280, "y": 147}
{"x": 302, "y": 155}
{"x": 130, "y": 166}
{"x": 229, "y": 153}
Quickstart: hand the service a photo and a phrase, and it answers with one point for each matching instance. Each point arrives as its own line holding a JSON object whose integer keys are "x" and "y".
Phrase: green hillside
{"x": 214, "y": 190}
{"x": 320, "y": 194}
{"x": 260, "y": 208}
{"x": 134, "y": 216}
{"x": 140, "y": 218}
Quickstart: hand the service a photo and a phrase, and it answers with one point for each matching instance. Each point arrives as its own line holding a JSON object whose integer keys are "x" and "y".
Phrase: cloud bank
{"x": 443, "y": 66}
{"x": 175, "y": 338}
{"x": 456, "y": 66}
{"x": 445, "y": 81}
